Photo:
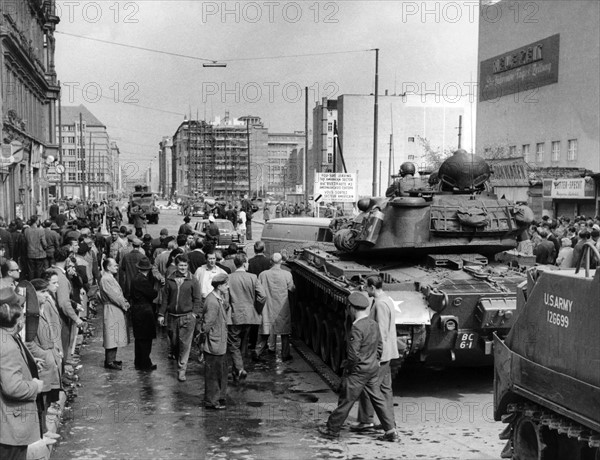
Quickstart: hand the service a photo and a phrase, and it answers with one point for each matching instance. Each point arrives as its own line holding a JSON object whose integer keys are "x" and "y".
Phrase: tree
{"x": 432, "y": 158}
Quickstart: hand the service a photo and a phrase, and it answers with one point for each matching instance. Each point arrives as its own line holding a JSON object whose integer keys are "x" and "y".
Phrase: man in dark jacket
{"x": 364, "y": 349}
{"x": 128, "y": 266}
{"x": 52, "y": 240}
{"x": 260, "y": 262}
{"x": 544, "y": 252}
{"x": 36, "y": 248}
{"x": 142, "y": 296}
{"x": 139, "y": 220}
{"x": 181, "y": 303}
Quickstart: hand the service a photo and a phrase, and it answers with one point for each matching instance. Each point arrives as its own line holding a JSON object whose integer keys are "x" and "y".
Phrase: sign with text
{"x": 523, "y": 69}
{"x": 569, "y": 188}
{"x": 336, "y": 187}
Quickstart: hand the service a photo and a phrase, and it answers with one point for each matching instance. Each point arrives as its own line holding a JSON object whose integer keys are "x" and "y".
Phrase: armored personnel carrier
{"x": 433, "y": 245}
{"x": 547, "y": 370}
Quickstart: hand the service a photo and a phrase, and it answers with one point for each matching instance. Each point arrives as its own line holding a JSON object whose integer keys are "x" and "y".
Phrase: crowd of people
{"x": 561, "y": 242}
{"x": 58, "y": 273}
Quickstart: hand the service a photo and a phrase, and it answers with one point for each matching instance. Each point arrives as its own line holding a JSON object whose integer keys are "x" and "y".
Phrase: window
{"x": 329, "y": 142}
{"x": 539, "y": 152}
{"x": 525, "y": 150}
{"x": 512, "y": 151}
{"x": 411, "y": 157}
{"x": 72, "y": 164}
{"x": 329, "y": 127}
{"x": 572, "y": 150}
{"x": 555, "y": 150}
{"x": 330, "y": 158}
{"x": 72, "y": 177}
{"x": 411, "y": 139}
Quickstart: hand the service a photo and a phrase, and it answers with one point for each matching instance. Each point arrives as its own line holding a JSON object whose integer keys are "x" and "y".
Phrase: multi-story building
{"x": 404, "y": 121}
{"x": 285, "y": 162}
{"x": 165, "y": 167}
{"x": 88, "y": 155}
{"x": 212, "y": 158}
{"x": 539, "y": 96}
{"x": 28, "y": 104}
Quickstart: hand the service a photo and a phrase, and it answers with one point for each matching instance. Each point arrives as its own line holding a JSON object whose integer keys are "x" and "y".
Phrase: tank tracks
{"x": 534, "y": 432}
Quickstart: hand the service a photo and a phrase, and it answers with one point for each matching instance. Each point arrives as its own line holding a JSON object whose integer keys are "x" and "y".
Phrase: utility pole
{"x": 459, "y": 130}
{"x": 82, "y": 147}
{"x": 248, "y": 140}
{"x": 305, "y": 169}
{"x": 375, "y": 119}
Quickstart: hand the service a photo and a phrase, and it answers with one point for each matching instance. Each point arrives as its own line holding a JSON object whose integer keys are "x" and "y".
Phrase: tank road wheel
{"x": 325, "y": 341}
{"x": 315, "y": 333}
{"x": 530, "y": 441}
{"x": 306, "y": 325}
{"x": 336, "y": 350}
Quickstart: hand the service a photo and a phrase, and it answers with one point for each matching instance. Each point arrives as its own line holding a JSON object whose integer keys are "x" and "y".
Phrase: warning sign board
{"x": 336, "y": 187}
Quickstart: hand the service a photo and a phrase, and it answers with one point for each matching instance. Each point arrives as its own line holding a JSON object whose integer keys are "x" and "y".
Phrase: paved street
{"x": 444, "y": 414}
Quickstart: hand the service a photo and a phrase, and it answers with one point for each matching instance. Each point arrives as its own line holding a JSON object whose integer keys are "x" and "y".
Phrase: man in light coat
{"x": 246, "y": 294}
{"x": 276, "y": 316}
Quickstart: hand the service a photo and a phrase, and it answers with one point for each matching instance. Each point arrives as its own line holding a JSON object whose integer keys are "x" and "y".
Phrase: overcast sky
{"x": 145, "y": 95}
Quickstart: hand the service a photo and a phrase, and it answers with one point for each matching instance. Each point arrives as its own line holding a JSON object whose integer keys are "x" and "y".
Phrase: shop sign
{"x": 569, "y": 188}
{"x": 523, "y": 69}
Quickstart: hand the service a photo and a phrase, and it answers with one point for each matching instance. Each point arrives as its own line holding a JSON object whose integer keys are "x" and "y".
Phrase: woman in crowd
{"x": 115, "y": 306}
{"x": 19, "y": 385}
{"x": 565, "y": 255}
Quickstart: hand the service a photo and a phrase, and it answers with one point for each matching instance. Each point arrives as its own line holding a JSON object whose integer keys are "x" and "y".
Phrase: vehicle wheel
{"x": 530, "y": 441}
{"x": 336, "y": 349}
{"x": 315, "y": 333}
{"x": 306, "y": 320}
{"x": 325, "y": 339}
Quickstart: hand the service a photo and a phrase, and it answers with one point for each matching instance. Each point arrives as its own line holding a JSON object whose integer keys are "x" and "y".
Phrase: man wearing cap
{"x": 52, "y": 240}
{"x": 212, "y": 231}
{"x": 364, "y": 348}
{"x": 142, "y": 294}
{"x": 214, "y": 328}
{"x": 180, "y": 303}
{"x": 383, "y": 312}
{"x": 276, "y": 315}
{"x": 127, "y": 266}
{"x": 147, "y": 246}
{"x": 36, "y": 248}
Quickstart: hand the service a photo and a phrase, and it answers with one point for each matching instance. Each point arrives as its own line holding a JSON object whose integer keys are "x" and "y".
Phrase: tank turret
{"x": 457, "y": 214}
{"x": 463, "y": 172}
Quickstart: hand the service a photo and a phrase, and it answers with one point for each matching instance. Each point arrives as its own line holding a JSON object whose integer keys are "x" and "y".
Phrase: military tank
{"x": 547, "y": 372}
{"x": 433, "y": 245}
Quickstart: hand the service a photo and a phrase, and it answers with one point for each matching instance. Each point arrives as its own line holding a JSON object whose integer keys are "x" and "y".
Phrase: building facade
{"x": 28, "y": 104}
{"x": 539, "y": 97}
{"x": 285, "y": 163}
{"x": 88, "y": 155}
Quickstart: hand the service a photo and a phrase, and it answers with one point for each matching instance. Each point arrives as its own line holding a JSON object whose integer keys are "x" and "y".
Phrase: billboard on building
{"x": 335, "y": 187}
{"x": 578, "y": 188}
{"x": 522, "y": 69}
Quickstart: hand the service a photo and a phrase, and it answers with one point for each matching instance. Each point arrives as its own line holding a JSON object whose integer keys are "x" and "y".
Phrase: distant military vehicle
{"x": 145, "y": 200}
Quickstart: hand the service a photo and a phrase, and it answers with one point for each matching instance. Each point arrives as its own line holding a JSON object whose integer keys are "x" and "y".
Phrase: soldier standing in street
{"x": 181, "y": 304}
{"x": 143, "y": 293}
{"x": 384, "y": 314}
{"x": 364, "y": 349}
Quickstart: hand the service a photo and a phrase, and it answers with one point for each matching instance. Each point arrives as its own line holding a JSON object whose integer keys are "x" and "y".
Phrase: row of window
{"x": 540, "y": 147}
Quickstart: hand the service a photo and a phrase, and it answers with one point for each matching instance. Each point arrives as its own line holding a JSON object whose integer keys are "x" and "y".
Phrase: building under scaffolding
{"x": 212, "y": 158}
